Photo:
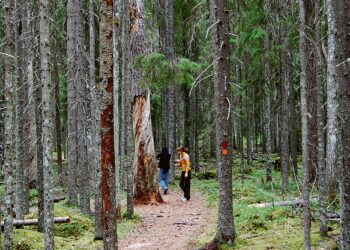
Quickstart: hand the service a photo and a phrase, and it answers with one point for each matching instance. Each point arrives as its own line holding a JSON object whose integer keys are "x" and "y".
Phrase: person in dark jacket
{"x": 164, "y": 166}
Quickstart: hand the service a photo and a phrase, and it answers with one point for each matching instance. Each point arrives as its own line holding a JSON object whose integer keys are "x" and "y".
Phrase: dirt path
{"x": 170, "y": 226}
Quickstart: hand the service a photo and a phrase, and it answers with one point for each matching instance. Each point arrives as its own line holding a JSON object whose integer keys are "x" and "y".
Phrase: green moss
{"x": 78, "y": 234}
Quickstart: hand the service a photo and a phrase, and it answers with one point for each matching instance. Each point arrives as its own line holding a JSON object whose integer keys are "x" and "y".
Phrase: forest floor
{"x": 173, "y": 225}
{"x": 190, "y": 225}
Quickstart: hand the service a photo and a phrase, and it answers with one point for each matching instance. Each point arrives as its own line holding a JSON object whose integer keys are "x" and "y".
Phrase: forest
{"x": 247, "y": 100}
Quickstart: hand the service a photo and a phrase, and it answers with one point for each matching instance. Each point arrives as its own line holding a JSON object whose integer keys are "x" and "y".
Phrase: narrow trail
{"x": 170, "y": 226}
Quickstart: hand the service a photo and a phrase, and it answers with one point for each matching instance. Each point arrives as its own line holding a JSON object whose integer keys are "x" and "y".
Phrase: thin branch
{"x": 194, "y": 84}
{"x": 211, "y": 26}
{"x": 229, "y": 107}
{"x": 8, "y": 55}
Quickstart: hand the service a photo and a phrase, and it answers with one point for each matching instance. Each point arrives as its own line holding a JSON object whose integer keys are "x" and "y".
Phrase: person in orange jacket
{"x": 185, "y": 165}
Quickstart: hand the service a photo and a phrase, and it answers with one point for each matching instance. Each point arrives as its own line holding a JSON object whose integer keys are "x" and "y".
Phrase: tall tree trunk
{"x": 39, "y": 128}
{"x": 109, "y": 218}
{"x": 284, "y": 142}
{"x": 95, "y": 142}
{"x": 170, "y": 95}
{"x": 116, "y": 89}
{"x": 320, "y": 121}
{"x": 72, "y": 105}
{"x": 8, "y": 126}
{"x": 128, "y": 165}
{"x": 304, "y": 8}
{"x": 339, "y": 32}
{"x": 81, "y": 115}
{"x": 46, "y": 115}
{"x": 293, "y": 143}
{"x": 333, "y": 133}
{"x": 22, "y": 148}
{"x": 267, "y": 104}
{"x": 220, "y": 17}
{"x": 145, "y": 167}
{"x": 249, "y": 129}
{"x": 56, "y": 82}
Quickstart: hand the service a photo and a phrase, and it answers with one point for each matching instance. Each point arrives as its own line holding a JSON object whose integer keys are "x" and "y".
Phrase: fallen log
{"x": 59, "y": 198}
{"x": 31, "y": 222}
{"x": 295, "y": 202}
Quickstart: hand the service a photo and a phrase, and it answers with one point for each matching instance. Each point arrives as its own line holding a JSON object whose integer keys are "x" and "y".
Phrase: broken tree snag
{"x": 108, "y": 185}
{"x": 295, "y": 202}
{"x": 145, "y": 166}
{"x": 31, "y": 222}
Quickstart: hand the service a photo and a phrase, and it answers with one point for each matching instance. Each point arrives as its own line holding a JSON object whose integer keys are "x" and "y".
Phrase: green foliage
{"x": 185, "y": 71}
{"x": 159, "y": 73}
{"x": 205, "y": 175}
{"x": 33, "y": 194}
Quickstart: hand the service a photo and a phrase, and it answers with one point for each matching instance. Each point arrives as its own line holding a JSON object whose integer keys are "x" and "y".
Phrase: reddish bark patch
{"x": 107, "y": 158}
{"x": 109, "y": 87}
{"x": 110, "y": 35}
{"x": 109, "y": 2}
{"x": 213, "y": 245}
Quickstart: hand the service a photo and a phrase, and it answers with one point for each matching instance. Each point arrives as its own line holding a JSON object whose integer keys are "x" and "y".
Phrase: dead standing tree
{"x": 145, "y": 167}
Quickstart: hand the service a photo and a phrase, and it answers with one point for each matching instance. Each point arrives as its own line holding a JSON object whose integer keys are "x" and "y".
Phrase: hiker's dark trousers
{"x": 185, "y": 184}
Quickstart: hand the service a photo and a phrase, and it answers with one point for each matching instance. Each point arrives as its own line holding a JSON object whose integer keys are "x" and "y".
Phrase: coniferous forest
{"x": 248, "y": 102}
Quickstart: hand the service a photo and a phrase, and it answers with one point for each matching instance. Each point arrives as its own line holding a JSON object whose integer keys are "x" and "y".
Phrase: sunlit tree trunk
{"x": 109, "y": 216}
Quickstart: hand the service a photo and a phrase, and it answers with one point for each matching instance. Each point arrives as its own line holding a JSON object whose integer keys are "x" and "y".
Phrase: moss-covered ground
{"x": 77, "y": 235}
{"x": 264, "y": 228}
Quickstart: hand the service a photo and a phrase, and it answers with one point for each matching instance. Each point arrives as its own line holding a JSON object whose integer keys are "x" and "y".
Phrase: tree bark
{"x": 81, "y": 115}
{"x": 95, "y": 141}
{"x": 116, "y": 89}
{"x": 170, "y": 93}
{"x": 31, "y": 222}
{"x": 333, "y": 133}
{"x": 339, "y": 30}
{"x": 304, "y": 8}
{"x": 126, "y": 82}
{"x": 267, "y": 106}
{"x": 39, "y": 128}
{"x": 109, "y": 217}
{"x": 47, "y": 124}
{"x": 284, "y": 115}
{"x": 145, "y": 167}
{"x": 72, "y": 105}
{"x": 22, "y": 147}
{"x": 8, "y": 127}
{"x": 220, "y": 16}
{"x": 56, "y": 82}
{"x": 320, "y": 121}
